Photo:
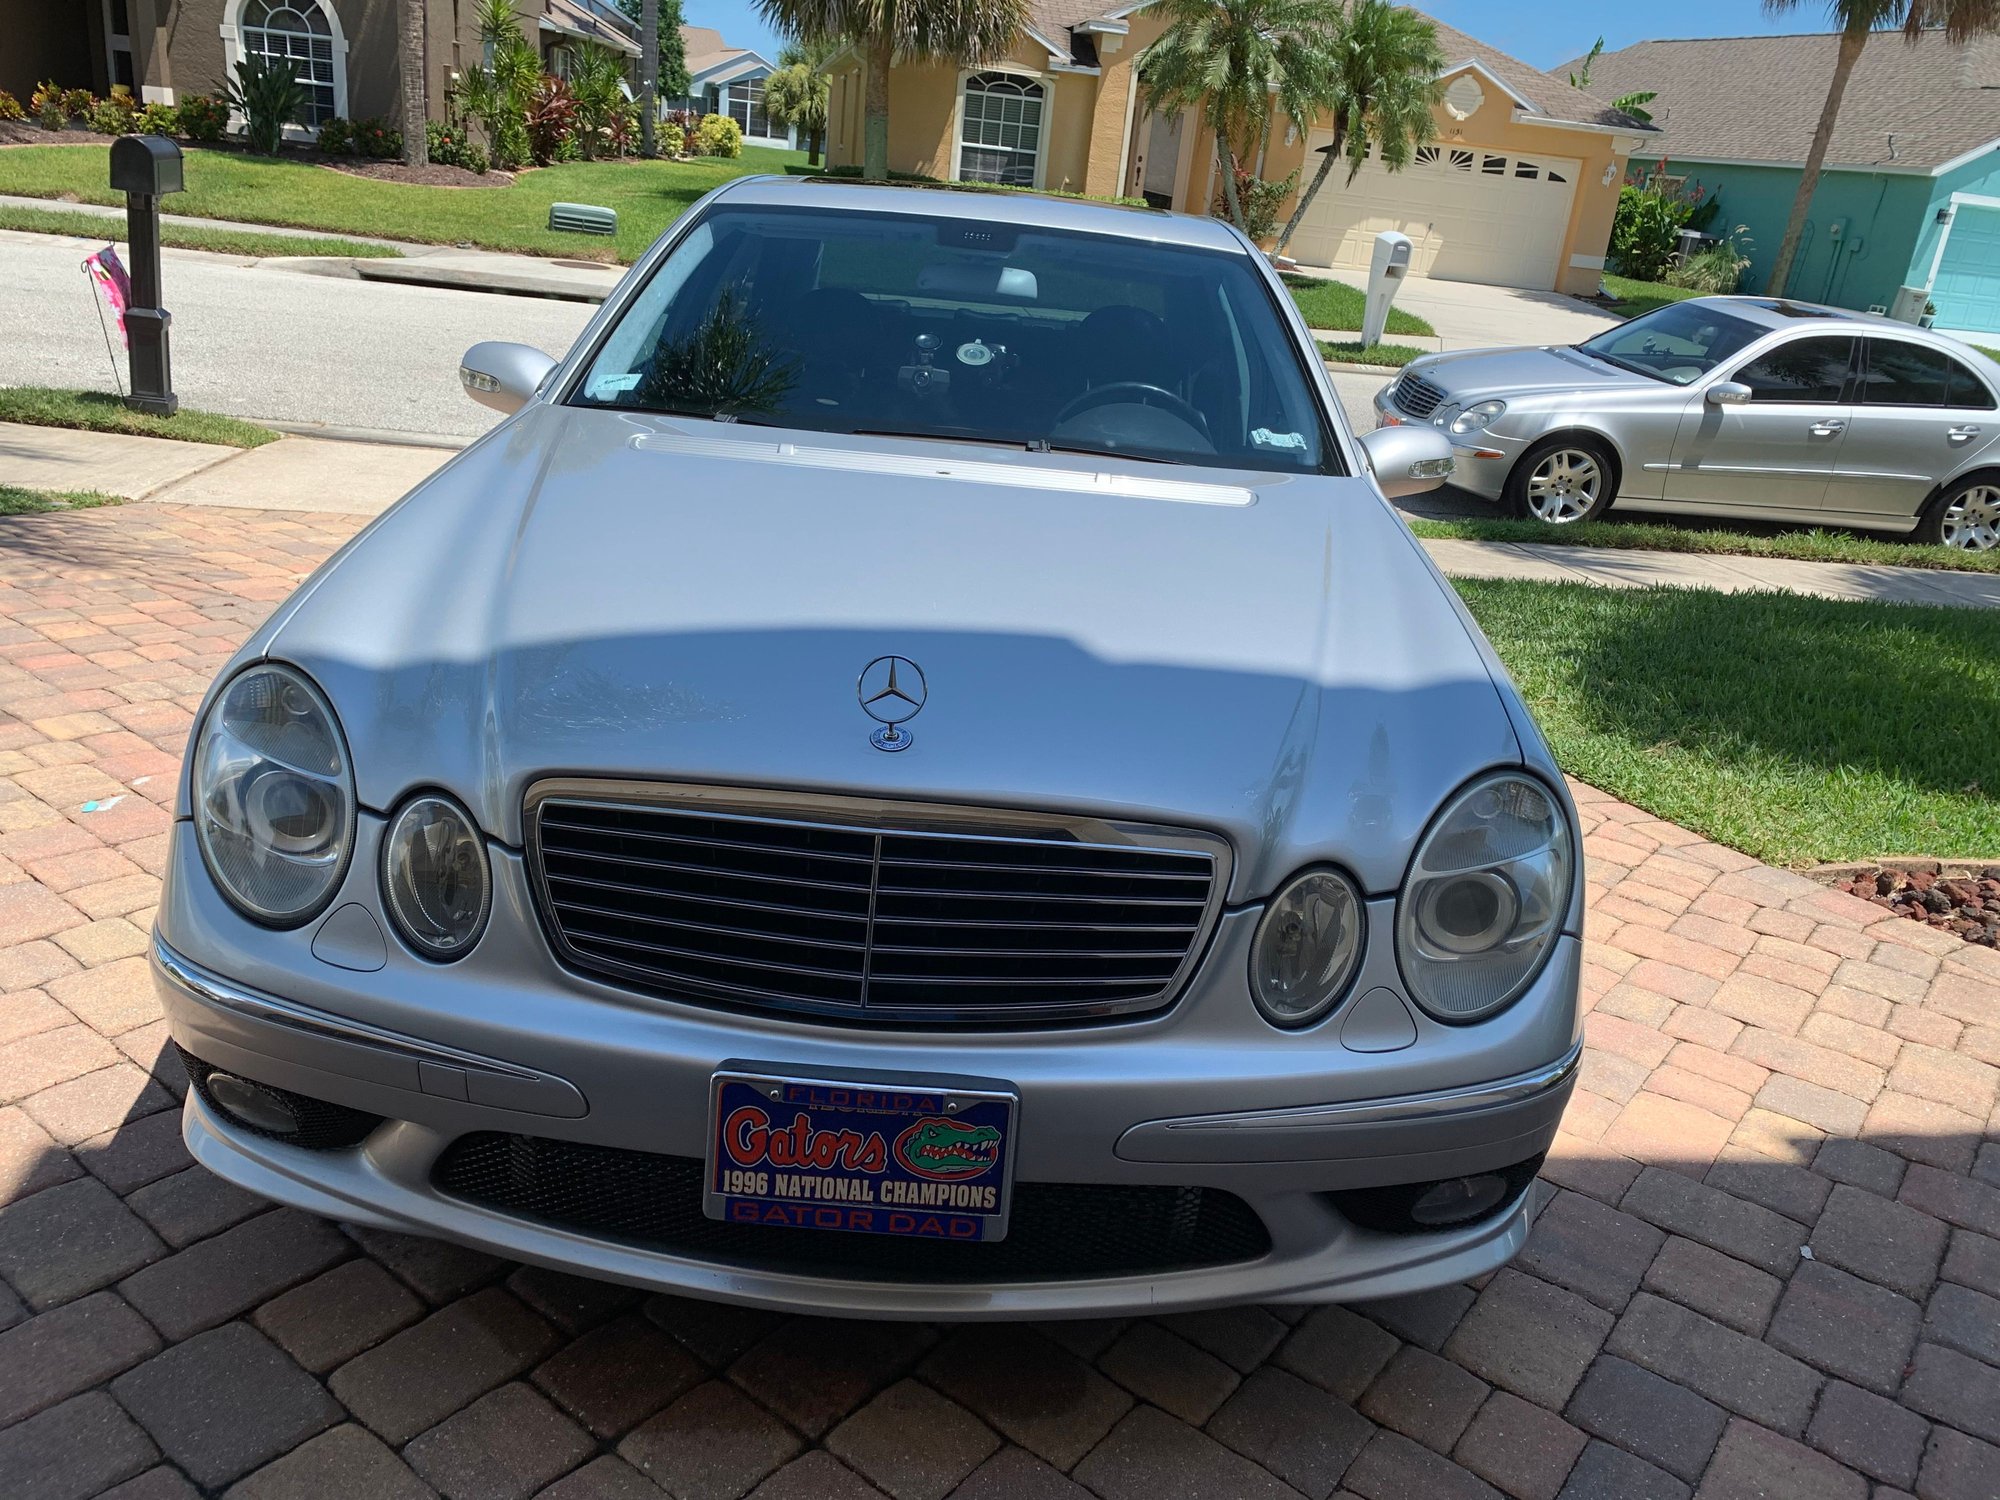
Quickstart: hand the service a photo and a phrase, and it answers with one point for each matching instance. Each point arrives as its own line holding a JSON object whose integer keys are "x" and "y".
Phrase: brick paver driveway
{"x": 1767, "y": 1261}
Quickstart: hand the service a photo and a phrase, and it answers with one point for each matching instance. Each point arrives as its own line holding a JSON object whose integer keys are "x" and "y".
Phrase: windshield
{"x": 1679, "y": 343}
{"x": 906, "y": 325}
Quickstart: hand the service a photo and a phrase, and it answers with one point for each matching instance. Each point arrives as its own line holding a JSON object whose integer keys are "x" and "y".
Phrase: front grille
{"x": 866, "y": 920}
{"x": 1056, "y": 1231}
{"x": 1415, "y": 396}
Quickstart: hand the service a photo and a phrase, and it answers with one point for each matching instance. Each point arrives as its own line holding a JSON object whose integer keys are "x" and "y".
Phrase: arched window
{"x": 298, "y": 32}
{"x": 1001, "y": 134}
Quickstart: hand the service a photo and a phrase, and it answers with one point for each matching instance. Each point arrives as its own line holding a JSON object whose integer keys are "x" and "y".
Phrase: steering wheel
{"x": 1104, "y": 395}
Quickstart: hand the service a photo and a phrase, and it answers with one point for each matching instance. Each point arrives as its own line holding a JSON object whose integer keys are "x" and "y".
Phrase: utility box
{"x": 1387, "y": 267}
{"x": 1909, "y": 304}
{"x": 583, "y": 218}
{"x": 149, "y": 165}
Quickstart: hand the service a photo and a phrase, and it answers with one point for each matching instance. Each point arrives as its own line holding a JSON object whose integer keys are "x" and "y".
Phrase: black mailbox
{"x": 148, "y": 164}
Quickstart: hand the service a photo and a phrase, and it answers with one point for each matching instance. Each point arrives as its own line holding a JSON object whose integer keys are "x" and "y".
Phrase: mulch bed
{"x": 28, "y": 133}
{"x": 431, "y": 175}
{"x": 1960, "y": 898}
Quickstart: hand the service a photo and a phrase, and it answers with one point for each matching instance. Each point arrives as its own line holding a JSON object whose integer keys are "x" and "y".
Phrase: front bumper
{"x": 1481, "y": 461}
{"x": 505, "y": 1041}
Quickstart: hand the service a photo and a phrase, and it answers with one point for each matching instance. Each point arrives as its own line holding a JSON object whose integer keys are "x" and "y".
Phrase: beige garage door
{"x": 1471, "y": 214}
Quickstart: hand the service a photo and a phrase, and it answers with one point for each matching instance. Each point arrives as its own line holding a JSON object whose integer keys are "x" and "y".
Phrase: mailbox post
{"x": 145, "y": 168}
{"x": 1387, "y": 267}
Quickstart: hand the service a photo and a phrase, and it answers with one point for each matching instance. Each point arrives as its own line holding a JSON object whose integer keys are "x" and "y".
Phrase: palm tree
{"x": 961, "y": 31}
{"x": 649, "y": 75}
{"x": 1230, "y": 58}
{"x": 1961, "y": 20}
{"x": 796, "y": 94}
{"x": 1380, "y": 87}
{"x": 410, "y": 65}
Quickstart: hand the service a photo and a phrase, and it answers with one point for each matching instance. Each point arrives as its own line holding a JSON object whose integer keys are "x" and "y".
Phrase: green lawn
{"x": 260, "y": 190}
{"x": 1799, "y": 730}
{"x": 1635, "y": 297}
{"x": 1388, "y": 356}
{"x": 15, "y": 501}
{"x": 183, "y": 237}
{"x": 1325, "y": 304}
{"x": 94, "y": 411}
{"x": 1665, "y": 536}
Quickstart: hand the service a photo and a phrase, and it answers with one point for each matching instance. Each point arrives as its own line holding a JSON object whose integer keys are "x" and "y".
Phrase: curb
{"x": 1343, "y": 367}
{"x": 383, "y": 437}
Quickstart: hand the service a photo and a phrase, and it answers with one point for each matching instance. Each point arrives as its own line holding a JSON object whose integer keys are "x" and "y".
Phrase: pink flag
{"x": 108, "y": 271}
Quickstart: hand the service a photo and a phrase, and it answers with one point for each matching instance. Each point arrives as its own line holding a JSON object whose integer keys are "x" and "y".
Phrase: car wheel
{"x": 1966, "y": 515}
{"x": 1563, "y": 480}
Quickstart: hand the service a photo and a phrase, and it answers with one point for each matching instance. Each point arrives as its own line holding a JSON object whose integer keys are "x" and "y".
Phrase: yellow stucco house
{"x": 1518, "y": 190}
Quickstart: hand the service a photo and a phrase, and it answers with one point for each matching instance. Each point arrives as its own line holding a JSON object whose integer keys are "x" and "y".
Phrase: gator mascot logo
{"x": 947, "y": 1150}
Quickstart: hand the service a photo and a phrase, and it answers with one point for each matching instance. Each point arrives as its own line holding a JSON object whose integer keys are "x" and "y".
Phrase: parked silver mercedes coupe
{"x": 1728, "y": 406}
{"x": 915, "y": 775}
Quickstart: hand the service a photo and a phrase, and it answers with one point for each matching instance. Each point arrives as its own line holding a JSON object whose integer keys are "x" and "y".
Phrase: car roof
{"x": 1784, "y": 312}
{"x": 1021, "y": 209}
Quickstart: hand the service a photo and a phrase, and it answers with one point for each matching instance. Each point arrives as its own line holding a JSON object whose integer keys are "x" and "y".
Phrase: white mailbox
{"x": 1386, "y": 269}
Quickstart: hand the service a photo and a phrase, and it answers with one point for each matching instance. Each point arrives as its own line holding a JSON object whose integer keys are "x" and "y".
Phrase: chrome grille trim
{"x": 1415, "y": 396}
{"x": 866, "y": 909}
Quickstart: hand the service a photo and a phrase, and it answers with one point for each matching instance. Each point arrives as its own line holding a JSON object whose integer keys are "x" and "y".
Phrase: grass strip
{"x": 1660, "y": 536}
{"x": 1797, "y": 729}
{"x": 1388, "y": 356}
{"x": 15, "y": 501}
{"x": 187, "y": 237}
{"x": 94, "y": 411}
{"x": 1335, "y": 304}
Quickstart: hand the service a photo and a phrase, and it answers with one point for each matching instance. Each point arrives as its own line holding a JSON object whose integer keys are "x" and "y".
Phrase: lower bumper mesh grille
{"x": 322, "y": 1126}
{"x": 1057, "y": 1231}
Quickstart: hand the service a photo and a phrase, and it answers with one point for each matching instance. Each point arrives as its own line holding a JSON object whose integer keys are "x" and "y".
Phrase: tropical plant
{"x": 447, "y": 145}
{"x": 203, "y": 117}
{"x": 117, "y": 115}
{"x": 1260, "y": 201}
{"x": 671, "y": 140}
{"x": 1230, "y": 59}
{"x": 1378, "y": 80}
{"x": 1716, "y": 269}
{"x": 77, "y": 103}
{"x": 1960, "y": 20}
{"x": 410, "y": 80}
{"x": 718, "y": 135}
{"x": 1646, "y": 228}
{"x": 47, "y": 106}
{"x": 551, "y": 120}
{"x": 498, "y": 91}
{"x": 1581, "y": 78}
{"x": 797, "y": 93}
{"x": 377, "y": 140}
{"x": 10, "y": 107}
{"x": 595, "y": 74}
{"x": 336, "y": 137}
{"x": 158, "y": 119}
{"x": 269, "y": 96}
{"x": 959, "y": 31}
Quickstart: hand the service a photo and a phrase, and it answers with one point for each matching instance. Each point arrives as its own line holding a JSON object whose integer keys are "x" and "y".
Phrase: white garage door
{"x": 1471, "y": 214}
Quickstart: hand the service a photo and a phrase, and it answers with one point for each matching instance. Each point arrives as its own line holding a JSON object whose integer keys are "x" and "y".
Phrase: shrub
{"x": 1652, "y": 212}
{"x": 450, "y": 147}
{"x": 77, "y": 103}
{"x": 670, "y": 138}
{"x": 621, "y": 131}
{"x": 336, "y": 137}
{"x": 158, "y": 119}
{"x": 269, "y": 96}
{"x": 46, "y": 105}
{"x": 203, "y": 117}
{"x": 377, "y": 139}
{"x": 509, "y": 148}
{"x": 1715, "y": 269}
{"x": 1259, "y": 200}
{"x": 10, "y": 107}
{"x": 114, "y": 116}
{"x": 551, "y": 121}
{"x": 686, "y": 119}
{"x": 718, "y": 135}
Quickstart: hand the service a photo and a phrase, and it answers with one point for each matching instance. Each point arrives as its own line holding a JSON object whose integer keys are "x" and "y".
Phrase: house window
{"x": 1461, "y": 161}
{"x": 1001, "y": 135}
{"x": 746, "y": 107}
{"x": 295, "y": 31}
{"x": 1526, "y": 169}
{"x": 1495, "y": 166}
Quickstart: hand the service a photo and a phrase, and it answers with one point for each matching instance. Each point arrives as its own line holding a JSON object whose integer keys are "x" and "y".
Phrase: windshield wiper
{"x": 1084, "y": 448}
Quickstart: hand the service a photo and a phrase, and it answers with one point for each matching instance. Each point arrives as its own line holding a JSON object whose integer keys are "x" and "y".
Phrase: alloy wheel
{"x": 1972, "y": 521}
{"x": 1565, "y": 485}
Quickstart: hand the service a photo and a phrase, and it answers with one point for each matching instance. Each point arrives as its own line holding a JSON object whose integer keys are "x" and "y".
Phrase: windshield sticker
{"x": 1263, "y": 437}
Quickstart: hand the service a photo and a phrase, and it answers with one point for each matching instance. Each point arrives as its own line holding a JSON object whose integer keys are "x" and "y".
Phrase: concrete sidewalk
{"x": 306, "y": 474}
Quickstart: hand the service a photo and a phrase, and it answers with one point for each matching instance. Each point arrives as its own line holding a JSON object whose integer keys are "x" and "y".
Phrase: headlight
{"x": 1485, "y": 899}
{"x": 273, "y": 796}
{"x": 1473, "y": 418}
{"x": 1307, "y": 949}
{"x": 434, "y": 877}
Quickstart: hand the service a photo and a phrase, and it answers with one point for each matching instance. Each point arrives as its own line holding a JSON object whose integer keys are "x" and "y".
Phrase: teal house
{"x": 1908, "y": 205}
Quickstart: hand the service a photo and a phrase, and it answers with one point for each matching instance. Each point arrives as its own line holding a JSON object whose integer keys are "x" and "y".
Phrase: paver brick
{"x": 575, "y": 1304}
{"x": 1886, "y": 1242}
{"x": 1338, "y": 1351}
{"x": 1717, "y": 1219}
{"x": 1425, "y": 1319}
{"x": 68, "y": 1349}
{"x": 1751, "y": 1461}
{"x": 1957, "y": 1467}
{"x": 437, "y": 1270}
{"x": 99, "y": 1101}
{"x": 606, "y": 1478}
{"x": 72, "y": 1451}
{"x": 1608, "y": 1473}
{"x": 136, "y": 1154}
{"x": 1716, "y": 1285}
{"x": 913, "y": 1443}
{"x": 71, "y": 1239}
{"x": 1815, "y": 1104}
{"x": 224, "y": 1402}
{"x": 1016, "y": 1474}
{"x": 1955, "y": 1389}
{"x": 1532, "y": 1338}
{"x": 1030, "y": 1390}
{"x": 1392, "y": 1467}
{"x": 349, "y": 1462}
{"x": 618, "y": 1374}
{"x": 1730, "y": 1369}
{"x": 217, "y": 1279}
{"x": 1515, "y": 1445}
{"x": 1966, "y": 1320}
{"x": 1669, "y": 1133}
{"x": 812, "y": 1372}
{"x": 1424, "y": 1397}
{"x": 1661, "y": 1422}
{"x": 1973, "y": 1260}
{"x": 1594, "y": 1250}
{"x": 1957, "y": 1200}
{"x": 1860, "y": 1165}
{"x": 1846, "y": 1326}
{"x": 33, "y": 1063}
{"x": 715, "y": 1443}
{"x": 336, "y": 1315}
{"x": 29, "y": 1160}
{"x": 815, "y": 1476}
{"x": 1243, "y": 1337}
{"x": 1299, "y": 1432}
{"x": 161, "y": 1483}
{"x": 1870, "y": 1433}
{"x": 1165, "y": 1369}
{"x": 1922, "y": 1130}
{"x": 193, "y": 1204}
{"x": 505, "y": 1446}
{"x": 1780, "y": 1186}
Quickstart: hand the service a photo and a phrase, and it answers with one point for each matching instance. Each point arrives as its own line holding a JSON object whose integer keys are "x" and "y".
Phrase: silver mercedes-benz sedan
{"x": 1728, "y": 406}
{"x": 917, "y": 774}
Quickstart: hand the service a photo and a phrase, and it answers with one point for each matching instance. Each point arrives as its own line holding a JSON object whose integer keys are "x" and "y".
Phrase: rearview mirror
{"x": 503, "y": 376}
{"x": 1407, "y": 460}
{"x": 1729, "y": 393}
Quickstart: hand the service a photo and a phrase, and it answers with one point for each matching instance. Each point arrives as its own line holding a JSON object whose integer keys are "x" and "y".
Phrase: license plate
{"x": 909, "y": 1159}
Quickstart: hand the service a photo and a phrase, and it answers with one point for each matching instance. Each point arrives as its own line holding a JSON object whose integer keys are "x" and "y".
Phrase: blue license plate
{"x": 870, "y": 1158}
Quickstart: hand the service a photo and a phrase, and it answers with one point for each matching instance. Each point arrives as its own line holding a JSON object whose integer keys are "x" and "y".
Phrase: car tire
{"x": 1563, "y": 480}
{"x": 1965, "y": 514}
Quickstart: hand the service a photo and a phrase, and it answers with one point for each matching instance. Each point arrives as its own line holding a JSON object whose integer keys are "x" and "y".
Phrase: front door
{"x": 1777, "y": 451}
{"x": 1921, "y": 413}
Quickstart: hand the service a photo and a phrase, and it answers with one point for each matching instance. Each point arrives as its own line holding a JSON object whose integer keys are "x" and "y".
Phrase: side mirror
{"x": 1407, "y": 460}
{"x": 1729, "y": 393}
{"x": 503, "y": 376}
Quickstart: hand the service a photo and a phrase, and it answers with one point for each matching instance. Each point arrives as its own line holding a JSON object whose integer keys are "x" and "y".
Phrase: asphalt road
{"x": 260, "y": 341}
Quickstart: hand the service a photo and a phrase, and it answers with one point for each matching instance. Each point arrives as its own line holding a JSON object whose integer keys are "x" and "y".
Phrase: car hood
{"x": 605, "y": 594}
{"x": 1477, "y": 374}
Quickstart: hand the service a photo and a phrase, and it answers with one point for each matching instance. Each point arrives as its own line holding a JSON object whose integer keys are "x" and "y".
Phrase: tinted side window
{"x": 1901, "y": 374}
{"x": 1804, "y": 370}
{"x": 1968, "y": 391}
